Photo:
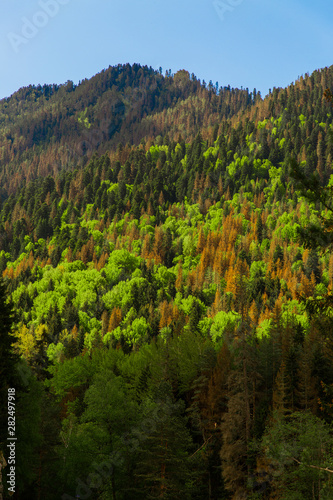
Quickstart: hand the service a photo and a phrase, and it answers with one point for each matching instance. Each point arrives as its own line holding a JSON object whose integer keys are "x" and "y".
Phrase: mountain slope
{"x": 45, "y": 129}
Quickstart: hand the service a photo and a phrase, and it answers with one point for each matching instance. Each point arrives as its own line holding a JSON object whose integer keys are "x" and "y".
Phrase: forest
{"x": 166, "y": 288}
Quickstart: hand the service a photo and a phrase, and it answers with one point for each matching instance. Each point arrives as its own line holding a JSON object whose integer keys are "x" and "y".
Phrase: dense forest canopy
{"x": 171, "y": 277}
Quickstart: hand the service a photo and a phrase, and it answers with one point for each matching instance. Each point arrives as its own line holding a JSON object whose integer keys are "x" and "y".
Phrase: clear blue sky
{"x": 249, "y": 43}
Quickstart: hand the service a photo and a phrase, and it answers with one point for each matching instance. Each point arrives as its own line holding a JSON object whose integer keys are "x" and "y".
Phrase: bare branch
{"x": 201, "y": 447}
{"x": 313, "y": 466}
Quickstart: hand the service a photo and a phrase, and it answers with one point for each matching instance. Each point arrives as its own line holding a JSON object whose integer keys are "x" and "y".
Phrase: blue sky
{"x": 249, "y": 43}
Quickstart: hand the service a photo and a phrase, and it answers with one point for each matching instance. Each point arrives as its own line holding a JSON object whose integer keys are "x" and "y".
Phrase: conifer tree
{"x": 237, "y": 422}
{"x": 307, "y": 381}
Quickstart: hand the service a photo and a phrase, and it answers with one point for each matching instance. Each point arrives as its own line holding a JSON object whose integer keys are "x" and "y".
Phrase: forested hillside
{"x": 173, "y": 313}
{"x": 46, "y": 129}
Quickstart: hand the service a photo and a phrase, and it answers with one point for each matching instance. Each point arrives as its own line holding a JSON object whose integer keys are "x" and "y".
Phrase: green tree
{"x": 164, "y": 463}
{"x": 298, "y": 452}
{"x": 312, "y": 265}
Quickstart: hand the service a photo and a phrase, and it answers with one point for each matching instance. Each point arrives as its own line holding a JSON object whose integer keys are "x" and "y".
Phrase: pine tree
{"x": 307, "y": 382}
{"x": 259, "y": 228}
{"x": 312, "y": 266}
{"x": 115, "y": 319}
{"x": 237, "y": 422}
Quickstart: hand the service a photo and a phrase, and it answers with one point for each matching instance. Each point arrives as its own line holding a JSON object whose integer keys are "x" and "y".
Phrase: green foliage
{"x": 70, "y": 374}
{"x": 134, "y": 333}
{"x": 299, "y": 449}
{"x": 224, "y": 322}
